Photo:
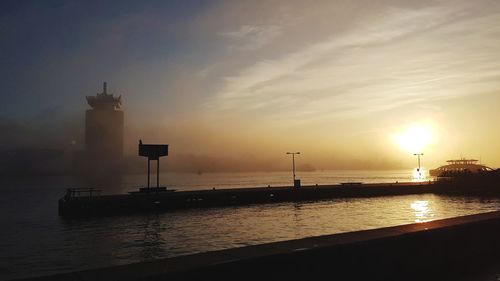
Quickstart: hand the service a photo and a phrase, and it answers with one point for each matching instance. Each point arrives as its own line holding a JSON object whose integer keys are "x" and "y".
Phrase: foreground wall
{"x": 463, "y": 248}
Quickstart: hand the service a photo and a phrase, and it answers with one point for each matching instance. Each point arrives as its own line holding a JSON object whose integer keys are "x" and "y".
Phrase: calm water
{"x": 34, "y": 241}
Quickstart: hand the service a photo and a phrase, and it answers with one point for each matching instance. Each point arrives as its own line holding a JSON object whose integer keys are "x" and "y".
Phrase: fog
{"x": 232, "y": 86}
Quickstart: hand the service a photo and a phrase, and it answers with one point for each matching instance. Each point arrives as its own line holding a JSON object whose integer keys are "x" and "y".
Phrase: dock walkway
{"x": 165, "y": 201}
{"x": 134, "y": 202}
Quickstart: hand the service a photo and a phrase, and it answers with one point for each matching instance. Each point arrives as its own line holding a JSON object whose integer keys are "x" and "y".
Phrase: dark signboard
{"x": 153, "y": 151}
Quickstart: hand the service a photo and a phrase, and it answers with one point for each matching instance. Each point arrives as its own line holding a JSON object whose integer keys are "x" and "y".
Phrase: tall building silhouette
{"x": 104, "y": 126}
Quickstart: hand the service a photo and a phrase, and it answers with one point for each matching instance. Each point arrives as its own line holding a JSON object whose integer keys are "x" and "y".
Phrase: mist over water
{"x": 38, "y": 242}
{"x": 196, "y": 181}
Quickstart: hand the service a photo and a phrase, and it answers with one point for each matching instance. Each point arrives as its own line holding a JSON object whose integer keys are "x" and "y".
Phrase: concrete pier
{"x": 70, "y": 207}
{"x": 134, "y": 202}
{"x": 462, "y": 248}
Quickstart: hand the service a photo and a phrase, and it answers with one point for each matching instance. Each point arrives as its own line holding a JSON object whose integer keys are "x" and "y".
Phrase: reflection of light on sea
{"x": 422, "y": 211}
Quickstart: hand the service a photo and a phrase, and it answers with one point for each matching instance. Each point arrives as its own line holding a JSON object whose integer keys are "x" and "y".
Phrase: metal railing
{"x": 72, "y": 193}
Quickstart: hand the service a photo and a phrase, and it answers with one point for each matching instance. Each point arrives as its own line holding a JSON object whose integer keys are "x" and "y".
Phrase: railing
{"x": 72, "y": 193}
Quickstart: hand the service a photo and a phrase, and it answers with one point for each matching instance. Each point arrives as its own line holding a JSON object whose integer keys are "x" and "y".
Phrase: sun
{"x": 415, "y": 138}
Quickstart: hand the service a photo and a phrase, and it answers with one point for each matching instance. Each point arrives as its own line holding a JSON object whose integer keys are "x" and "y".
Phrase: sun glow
{"x": 415, "y": 138}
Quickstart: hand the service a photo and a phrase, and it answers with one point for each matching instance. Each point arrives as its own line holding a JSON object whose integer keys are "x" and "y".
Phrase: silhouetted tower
{"x": 104, "y": 129}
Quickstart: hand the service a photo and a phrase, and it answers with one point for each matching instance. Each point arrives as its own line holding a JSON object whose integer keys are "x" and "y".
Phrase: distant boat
{"x": 459, "y": 166}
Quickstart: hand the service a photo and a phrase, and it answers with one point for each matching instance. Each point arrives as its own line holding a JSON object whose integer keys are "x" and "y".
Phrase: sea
{"x": 35, "y": 241}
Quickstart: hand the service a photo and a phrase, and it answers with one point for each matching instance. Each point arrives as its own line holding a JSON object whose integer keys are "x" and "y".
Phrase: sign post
{"x": 153, "y": 152}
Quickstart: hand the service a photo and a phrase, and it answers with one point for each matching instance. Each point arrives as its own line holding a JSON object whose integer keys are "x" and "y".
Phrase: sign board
{"x": 153, "y": 151}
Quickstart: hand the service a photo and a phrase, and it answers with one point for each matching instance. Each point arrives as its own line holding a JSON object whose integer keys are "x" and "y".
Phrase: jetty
{"x": 89, "y": 202}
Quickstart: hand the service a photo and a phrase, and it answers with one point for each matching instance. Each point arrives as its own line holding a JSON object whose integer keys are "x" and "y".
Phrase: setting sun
{"x": 415, "y": 138}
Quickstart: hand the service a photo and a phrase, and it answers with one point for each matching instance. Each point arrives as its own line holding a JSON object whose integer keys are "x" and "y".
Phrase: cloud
{"x": 251, "y": 37}
{"x": 409, "y": 56}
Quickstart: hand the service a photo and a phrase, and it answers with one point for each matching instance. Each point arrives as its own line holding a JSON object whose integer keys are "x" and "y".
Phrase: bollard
{"x": 296, "y": 183}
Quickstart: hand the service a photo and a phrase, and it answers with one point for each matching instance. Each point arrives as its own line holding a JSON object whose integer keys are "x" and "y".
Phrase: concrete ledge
{"x": 71, "y": 207}
{"x": 437, "y": 250}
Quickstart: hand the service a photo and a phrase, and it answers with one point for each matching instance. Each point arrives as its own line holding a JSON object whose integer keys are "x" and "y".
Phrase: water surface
{"x": 35, "y": 241}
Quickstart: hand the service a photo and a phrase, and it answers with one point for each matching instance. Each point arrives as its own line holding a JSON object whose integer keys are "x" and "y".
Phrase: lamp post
{"x": 418, "y": 169}
{"x": 293, "y": 162}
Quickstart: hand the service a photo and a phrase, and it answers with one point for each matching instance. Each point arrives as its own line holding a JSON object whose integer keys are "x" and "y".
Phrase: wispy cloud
{"x": 409, "y": 56}
{"x": 251, "y": 37}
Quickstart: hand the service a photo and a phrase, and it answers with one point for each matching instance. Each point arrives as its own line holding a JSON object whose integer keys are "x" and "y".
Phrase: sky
{"x": 349, "y": 84}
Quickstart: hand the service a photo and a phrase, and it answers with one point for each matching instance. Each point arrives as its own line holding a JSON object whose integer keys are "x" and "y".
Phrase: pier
{"x": 151, "y": 199}
{"x": 160, "y": 199}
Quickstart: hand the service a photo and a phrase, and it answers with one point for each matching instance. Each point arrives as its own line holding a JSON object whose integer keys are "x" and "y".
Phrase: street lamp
{"x": 293, "y": 163}
{"x": 418, "y": 169}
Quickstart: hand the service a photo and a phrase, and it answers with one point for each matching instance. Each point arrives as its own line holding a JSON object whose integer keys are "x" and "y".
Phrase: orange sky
{"x": 340, "y": 81}
{"x": 344, "y": 92}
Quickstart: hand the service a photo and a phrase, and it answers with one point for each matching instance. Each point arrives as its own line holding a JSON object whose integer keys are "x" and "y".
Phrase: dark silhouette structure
{"x": 104, "y": 127}
{"x": 153, "y": 152}
{"x": 484, "y": 184}
{"x": 296, "y": 182}
{"x": 418, "y": 169}
{"x": 459, "y": 166}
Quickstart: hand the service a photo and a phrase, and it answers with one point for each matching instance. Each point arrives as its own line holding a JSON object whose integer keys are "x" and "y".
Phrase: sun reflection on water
{"x": 422, "y": 211}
